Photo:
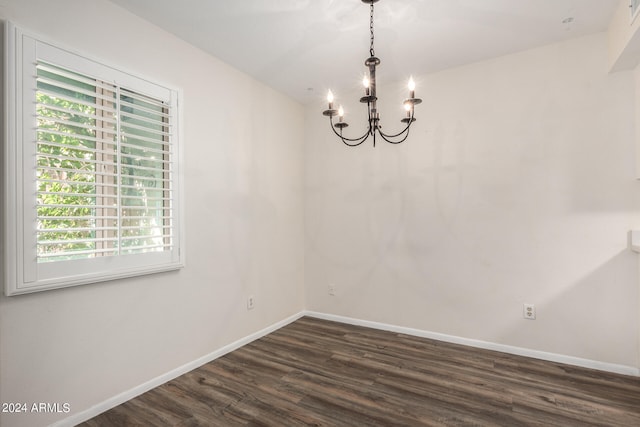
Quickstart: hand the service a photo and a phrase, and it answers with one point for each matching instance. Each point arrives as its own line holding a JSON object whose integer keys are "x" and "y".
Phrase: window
{"x": 92, "y": 161}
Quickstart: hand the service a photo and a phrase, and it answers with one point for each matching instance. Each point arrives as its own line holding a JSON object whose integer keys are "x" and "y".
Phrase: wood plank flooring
{"x": 319, "y": 373}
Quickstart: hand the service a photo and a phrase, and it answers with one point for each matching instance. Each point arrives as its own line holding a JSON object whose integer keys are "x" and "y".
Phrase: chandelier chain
{"x": 371, "y": 51}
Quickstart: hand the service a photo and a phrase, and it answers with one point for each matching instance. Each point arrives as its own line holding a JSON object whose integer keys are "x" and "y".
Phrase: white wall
{"x": 516, "y": 186}
{"x": 243, "y": 198}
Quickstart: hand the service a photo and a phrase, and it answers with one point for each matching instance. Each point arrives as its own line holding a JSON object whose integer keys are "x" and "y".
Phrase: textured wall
{"x": 516, "y": 186}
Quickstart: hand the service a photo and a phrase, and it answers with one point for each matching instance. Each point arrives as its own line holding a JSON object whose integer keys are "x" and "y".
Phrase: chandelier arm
{"x": 406, "y": 129}
{"x": 361, "y": 139}
{"x": 397, "y": 134}
{"x": 387, "y": 137}
{"x": 356, "y": 144}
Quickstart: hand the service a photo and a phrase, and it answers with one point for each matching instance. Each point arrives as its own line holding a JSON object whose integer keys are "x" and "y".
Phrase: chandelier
{"x": 370, "y": 98}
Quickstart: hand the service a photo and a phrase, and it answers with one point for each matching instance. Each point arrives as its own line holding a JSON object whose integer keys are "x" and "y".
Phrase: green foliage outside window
{"x": 66, "y": 173}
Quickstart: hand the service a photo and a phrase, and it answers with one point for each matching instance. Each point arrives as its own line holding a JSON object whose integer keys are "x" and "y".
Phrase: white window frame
{"x": 23, "y": 274}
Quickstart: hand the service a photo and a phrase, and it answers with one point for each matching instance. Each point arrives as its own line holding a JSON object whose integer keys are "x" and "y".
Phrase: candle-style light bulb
{"x": 412, "y": 88}
{"x": 366, "y": 83}
{"x": 330, "y": 99}
{"x": 340, "y": 113}
{"x": 408, "y": 107}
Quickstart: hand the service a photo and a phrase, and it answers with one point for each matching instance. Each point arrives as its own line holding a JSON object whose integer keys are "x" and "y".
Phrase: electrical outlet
{"x": 332, "y": 289}
{"x": 529, "y": 311}
{"x": 250, "y": 302}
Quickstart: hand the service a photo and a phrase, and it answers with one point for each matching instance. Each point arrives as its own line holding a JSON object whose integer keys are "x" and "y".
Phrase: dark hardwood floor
{"x": 321, "y": 373}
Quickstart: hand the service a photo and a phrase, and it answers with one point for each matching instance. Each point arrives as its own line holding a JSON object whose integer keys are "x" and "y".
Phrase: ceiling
{"x": 303, "y": 47}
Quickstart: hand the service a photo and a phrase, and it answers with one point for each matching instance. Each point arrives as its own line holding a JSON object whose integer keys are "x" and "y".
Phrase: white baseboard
{"x": 542, "y": 355}
{"x": 112, "y": 402}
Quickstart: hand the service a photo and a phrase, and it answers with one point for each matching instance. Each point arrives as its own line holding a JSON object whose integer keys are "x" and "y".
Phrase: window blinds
{"x": 104, "y": 165}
